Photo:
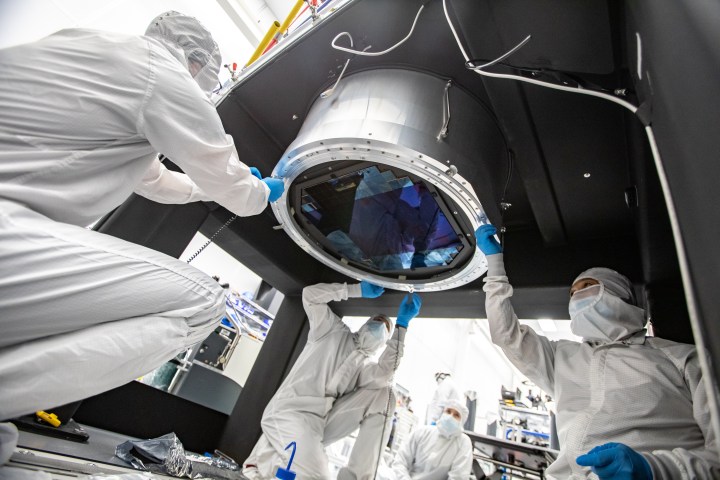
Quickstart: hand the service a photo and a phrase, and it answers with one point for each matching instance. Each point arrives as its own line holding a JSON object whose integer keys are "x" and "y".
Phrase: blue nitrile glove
{"x": 615, "y": 461}
{"x": 486, "y": 240}
{"x": 370, "y": 291}
{"x": 276, "y": 186}
{"x": 256, "y": 173}
{"x": 409, "y": 308}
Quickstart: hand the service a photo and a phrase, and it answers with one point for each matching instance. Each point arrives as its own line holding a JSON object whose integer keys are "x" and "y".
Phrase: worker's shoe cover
{"x": 8, "y": 441}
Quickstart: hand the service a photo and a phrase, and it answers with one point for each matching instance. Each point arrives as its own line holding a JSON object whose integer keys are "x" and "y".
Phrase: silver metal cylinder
{"x": 393, "y": 117}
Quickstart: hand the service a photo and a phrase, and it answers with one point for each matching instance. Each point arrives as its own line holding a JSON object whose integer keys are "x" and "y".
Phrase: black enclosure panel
{"x": 142, "y": 411}
{"x": 680, "y": 69}
{"x": 165, "y": 228}
{"x": 278, "y": 354}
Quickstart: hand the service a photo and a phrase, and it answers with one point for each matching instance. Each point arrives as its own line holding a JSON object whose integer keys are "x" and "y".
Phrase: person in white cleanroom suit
{"x": 445, "y": 391}
{"x": 437, "y": 452}
{"x": 83, "y": 115}
{"x": 628, "y": 405}
{"x": 333, "y": 389}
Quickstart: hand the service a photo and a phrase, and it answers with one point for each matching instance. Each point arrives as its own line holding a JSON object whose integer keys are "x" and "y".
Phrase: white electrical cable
{"x": 592, "y": 93}
{"x": 503, "y": 57}
{"x": 669, "y": 203}
{"x": 330, "y": 91}
{"x": 376, "y": 54}
{"x": 703, "y": 354}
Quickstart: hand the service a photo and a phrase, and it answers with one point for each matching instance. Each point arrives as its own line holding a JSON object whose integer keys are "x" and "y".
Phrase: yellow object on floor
{"x": 50, "y": 418}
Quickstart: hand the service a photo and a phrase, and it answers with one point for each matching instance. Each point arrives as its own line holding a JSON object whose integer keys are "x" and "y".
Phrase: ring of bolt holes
{"x": 294, "y": 158}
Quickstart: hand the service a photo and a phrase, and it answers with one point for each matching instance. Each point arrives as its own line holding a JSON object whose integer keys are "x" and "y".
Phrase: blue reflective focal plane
{"x": 381, "y": 221}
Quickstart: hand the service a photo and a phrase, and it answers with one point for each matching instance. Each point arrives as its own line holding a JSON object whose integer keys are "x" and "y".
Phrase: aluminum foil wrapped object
{"x": 166, "y": 455}
{"x": 158, "y": 455}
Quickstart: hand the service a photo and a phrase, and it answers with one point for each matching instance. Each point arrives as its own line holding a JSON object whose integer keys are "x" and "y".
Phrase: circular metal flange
{"x": 432, "y": 171}
{"x": 403, "y": 119}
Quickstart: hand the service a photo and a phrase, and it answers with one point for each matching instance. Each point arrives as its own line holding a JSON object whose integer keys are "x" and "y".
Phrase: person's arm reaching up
{"x": 315, "y": 300}
{"x": 378, "y": 374}
{"x": 531, "y": 353}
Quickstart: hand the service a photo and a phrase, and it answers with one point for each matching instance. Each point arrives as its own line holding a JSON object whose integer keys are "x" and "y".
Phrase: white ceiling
{"x": 236, "y": 25}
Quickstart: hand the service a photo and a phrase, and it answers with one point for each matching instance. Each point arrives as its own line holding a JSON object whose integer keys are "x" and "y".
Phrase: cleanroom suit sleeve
{"x": 462, "y": 463}
{"x": 701, "y": 463}
{"x": 165, "y": 186}
{"x": 180, "y": 122}
{"x": 377, "y": 375}
{"x": 403, "y": 462}
{"x": 531, "y": 353}
{"x": 315, "y": 300}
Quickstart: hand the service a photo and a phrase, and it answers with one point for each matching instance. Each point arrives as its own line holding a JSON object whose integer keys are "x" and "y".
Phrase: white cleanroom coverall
{"x": 82, "y": 116}
{"x": 644, "y": 392}
{"x": 427, "y": 454}
{"x": 331, "y": 390}
{"x": 165, "y": 186}
{"x": 446, "y": 390}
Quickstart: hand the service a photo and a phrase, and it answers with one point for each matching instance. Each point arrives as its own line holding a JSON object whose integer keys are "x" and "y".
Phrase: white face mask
{"x": 448, "y": 425}
{"x": 378, "y": 329}
{"x": 598, "y": 315}
{"x": 372, "y": 336}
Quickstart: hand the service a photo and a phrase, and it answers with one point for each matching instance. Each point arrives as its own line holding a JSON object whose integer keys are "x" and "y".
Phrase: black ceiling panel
{"x": 567, "y": 35}
{"x": 585, "y": 136}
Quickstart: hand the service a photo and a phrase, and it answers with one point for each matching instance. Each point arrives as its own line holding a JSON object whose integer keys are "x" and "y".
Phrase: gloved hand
{"x": 409, "y": 308}
{"x": 370, "y": 291}
{"x": 256, "y": 173}
{"x": 277, "y": 187}
{"x": 486, "y": 241}
{"x": 615, "y": 461}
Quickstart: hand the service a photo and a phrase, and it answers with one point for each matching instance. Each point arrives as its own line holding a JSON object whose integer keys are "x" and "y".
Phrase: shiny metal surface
{"x": 392, "y": 117}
